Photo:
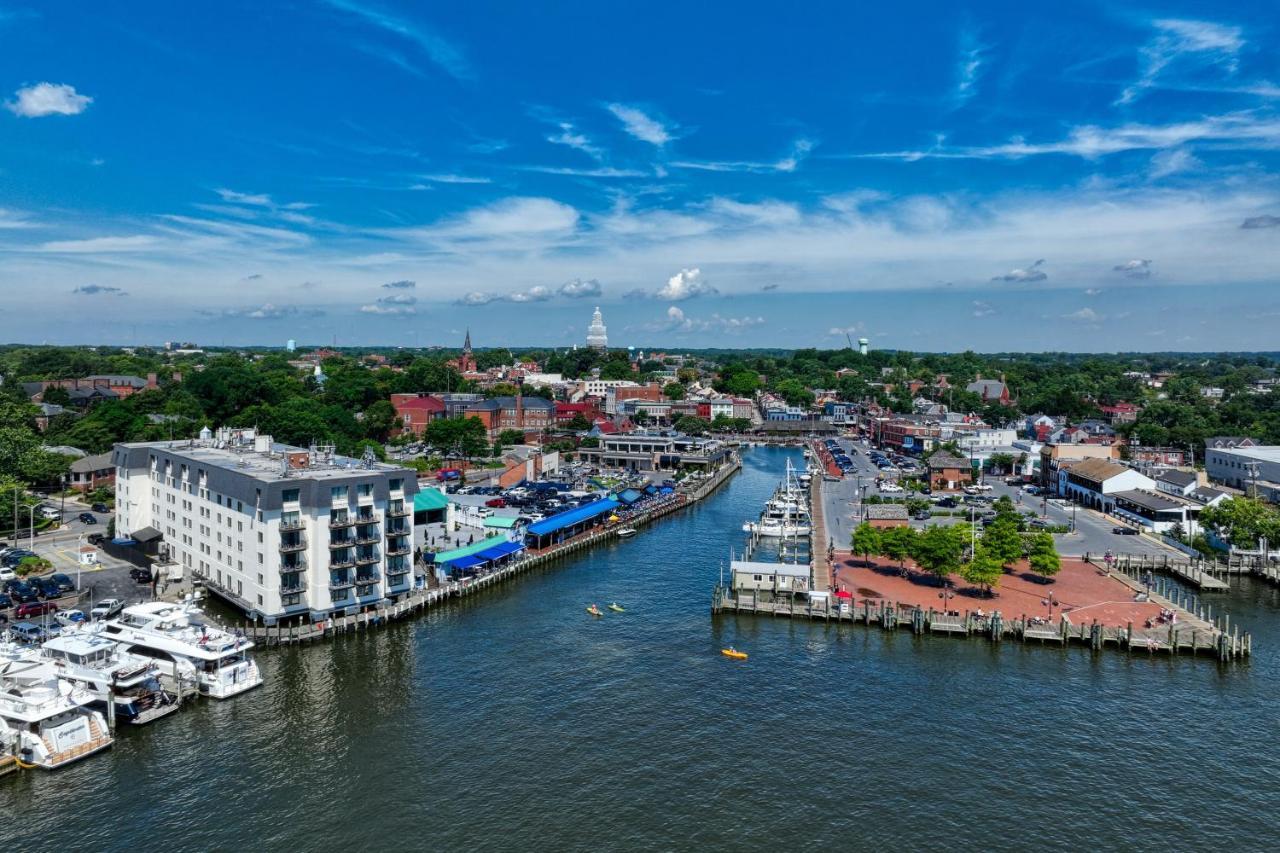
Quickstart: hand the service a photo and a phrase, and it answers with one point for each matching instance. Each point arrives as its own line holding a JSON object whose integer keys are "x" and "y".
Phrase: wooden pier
{"x": 419, "y": 601}
{"x": 1208, "y": 575}
{"x": 1188, "y": 638}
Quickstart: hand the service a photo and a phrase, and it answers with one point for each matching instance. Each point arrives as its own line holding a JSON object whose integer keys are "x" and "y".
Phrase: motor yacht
{"x": 171, "y": 634}
{"x": 128, "y": 682}
{"x": 45, "y": 719}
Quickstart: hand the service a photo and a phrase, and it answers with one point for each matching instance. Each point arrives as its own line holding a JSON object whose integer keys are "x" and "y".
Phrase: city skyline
{"x": 392, "y": 175}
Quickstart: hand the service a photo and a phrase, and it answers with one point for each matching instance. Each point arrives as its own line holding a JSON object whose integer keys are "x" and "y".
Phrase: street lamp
{"x": 31, "y": 517}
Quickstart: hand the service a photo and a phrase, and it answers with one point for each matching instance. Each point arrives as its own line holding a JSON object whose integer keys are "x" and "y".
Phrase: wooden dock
{"x": 1191, "y": 637}
{"x": 419, "y": 601}
{"x": 1209, "y": 575}
{"x": 820, "y": 554}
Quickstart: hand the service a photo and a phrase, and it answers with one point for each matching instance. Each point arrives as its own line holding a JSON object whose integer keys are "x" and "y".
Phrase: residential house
{"x": 415, "y": 411}
{"x": 948, "y": 473}
{"x": 1120, "y": 413}
{"x": 991, "y": 390}
{"x": 92, "y": 472}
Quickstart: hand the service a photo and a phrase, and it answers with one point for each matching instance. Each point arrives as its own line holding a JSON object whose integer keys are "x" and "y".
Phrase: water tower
{"x": 863, "y": 345}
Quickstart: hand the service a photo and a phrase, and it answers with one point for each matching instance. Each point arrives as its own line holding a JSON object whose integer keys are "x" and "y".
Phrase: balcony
{"x": 398, "y": 550}
{"x": 399, "y": 512}
{"x": 366, "y": 518}
{"x": 292, "y": 544}
{"x": 294, "y": 564}
{"x": 367, "y": 559}
{"x": 368, "y": 539}
{"x": 337, "y": 522}
{"x": 398, "y": 529}
{"x": 367, "y": 577}
{"x": 342, "y": 542}
{"x": 343, "y": 581}
{"x": 398, "y": 569}
{"x": 292, "y": 524}
{"x": 293, "y": 585}
{"x": 346, "y": 562}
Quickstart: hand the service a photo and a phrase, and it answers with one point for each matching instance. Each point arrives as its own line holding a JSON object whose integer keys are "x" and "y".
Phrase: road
{"x": 1093, "y": 531}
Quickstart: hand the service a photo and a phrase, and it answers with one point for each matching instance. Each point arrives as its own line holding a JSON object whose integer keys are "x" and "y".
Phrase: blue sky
{"x": 1000, "y": 176}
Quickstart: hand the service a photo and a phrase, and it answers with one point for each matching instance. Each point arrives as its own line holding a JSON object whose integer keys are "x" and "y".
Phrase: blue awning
{"x": 574, "y": 516}
{"x": 651, "y": 489}
{"x": 630, "y": 496}
{"x": 467, "y": 562}
{"x": 497, "y": 552}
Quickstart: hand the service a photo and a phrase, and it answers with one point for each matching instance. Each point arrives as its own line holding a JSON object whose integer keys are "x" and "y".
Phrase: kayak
{"x": 617, "y": 608}
{"x": 594, "y": 611}
{"x": 731, "y": 652}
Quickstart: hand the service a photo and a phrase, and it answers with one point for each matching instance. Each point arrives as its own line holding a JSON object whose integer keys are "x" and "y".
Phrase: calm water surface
{"x": 515, "y": 721}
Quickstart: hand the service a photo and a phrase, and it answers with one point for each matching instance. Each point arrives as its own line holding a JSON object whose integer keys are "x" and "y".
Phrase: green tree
{"x": 896, "y": 544}
{"x": 690, "y": 425}
{"x": 937, "y": 550}
{"x": 579, "y": 423}
{"x": 1240, "y": 521}
{"x": 983, "y": 570}
{"x": 1002, "y": 541}
{"x": 673, "y": 391}
{"x": 865, "y": 540}
{"x": 509, "y": 437}
{"x": 379, "y": 419}
{"x": 1044, "y": 556}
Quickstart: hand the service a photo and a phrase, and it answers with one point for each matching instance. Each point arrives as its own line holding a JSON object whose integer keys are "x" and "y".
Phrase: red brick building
{"x": 530, "y": 414}
{"x": 948, "y": 473}
{"x": 415, "y": 411}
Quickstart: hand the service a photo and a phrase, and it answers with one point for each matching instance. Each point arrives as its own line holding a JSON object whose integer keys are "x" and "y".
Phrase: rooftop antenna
{"x": 368, "y": 459}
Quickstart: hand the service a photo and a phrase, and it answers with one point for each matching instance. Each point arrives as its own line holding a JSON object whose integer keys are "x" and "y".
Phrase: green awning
{"x": 505, "y": 522}
{"x": 429, "y": 499}
{"x": 468, "y": 550}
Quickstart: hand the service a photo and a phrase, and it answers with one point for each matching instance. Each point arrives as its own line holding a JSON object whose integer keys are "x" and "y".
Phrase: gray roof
{"x": 1229, "y": 441}
{"x": 1149, "y": 500}
{"x": 887, "y": 512}
{"x": 1174, "y": 477}
{"x": 495, "y": 403}
{"x": 86, "y": 464}
{"x": 1205, "y": 495}
{"x": 988, "y": 389}
{"x": 946, "y": 460}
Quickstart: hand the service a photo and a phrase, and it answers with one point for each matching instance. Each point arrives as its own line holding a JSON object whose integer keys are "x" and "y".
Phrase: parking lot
{"x": 1093, "y": 532}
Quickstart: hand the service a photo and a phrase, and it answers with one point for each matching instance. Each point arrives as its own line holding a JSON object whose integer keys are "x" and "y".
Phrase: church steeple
{"x": 466, "y": 344}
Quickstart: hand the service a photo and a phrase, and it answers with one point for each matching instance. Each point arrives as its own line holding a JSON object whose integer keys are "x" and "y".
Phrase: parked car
{"x": 64, "y": 582}
{"x": 50, "y": 513}
{"x": 106, "y": 608}
{"x": 28, "y": 632}
{"x": 103, "y": 508}
{"x": 7, "y": 574}
{"x": 1040, "y": 523}
{"x": 28, "y": 609}
{"x": 141, "y": 574}
{"x": 1124, "y": 531}
{"x": 69, "y": 618}
{"x": 49, "y": 588}
{"x": 922, "y": 515}
{"x": 948, "y": 502}
{"x": 87, "y": 518}
{"x": 5, "y": 601}
{"x": 23, "y": 592}
{"x": 495, "y": 502}
{"x": 96, "y": 538}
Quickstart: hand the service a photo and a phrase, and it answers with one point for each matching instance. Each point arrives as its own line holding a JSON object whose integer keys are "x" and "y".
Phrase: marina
{"x": 517, "y": 689}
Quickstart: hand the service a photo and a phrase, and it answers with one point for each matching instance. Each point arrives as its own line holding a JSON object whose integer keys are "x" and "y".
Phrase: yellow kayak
{"x": 594, "y": 611}
{"x": 617, "y": 608}
{"x": 731, "y": 652}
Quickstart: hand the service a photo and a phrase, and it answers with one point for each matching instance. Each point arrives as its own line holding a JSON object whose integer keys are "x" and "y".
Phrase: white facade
{"x": 277, "y": 531}
{"x": 596, "y": 335}
{"x": 1245, "y": 467}
{"x": 986, "y": 439}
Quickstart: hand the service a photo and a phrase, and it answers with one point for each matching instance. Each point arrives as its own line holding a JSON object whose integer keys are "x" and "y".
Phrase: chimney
{"x": 151, "y": 380}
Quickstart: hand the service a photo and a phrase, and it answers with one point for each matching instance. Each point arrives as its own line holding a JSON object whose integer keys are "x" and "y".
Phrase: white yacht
{"x": 129, "y": 682}
{"x": 174, "y": 634}
{"x": 787, "y": 512}
{"x": 44, "y": 718}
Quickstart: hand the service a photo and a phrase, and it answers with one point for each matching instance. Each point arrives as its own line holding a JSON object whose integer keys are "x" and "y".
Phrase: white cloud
{"x": 254, "y": 199}
{"x": 397, "y": 304}
{"x": 982, "y": 309}
{"x": 1171, "y": 162}
{"x": 477, "y": 298}
{"x": 454, "y": 179}
{"x": 800, "y": 149}
{"x": 1176, "y": 39}
{"x": 580, "y": 288}
{"x": 1031, "y": 273}
{"x": 685, "y": 284}
{"x": 12, "y": 219}
{"x": 509, "y": 217}
{"x": 676, "y": 320}
{"x": 48, "y": 99}
{"x": 1084, "y": 315}
{"x": 571, "y": 137}
{"x": 96, "y": 289}
{"x": 969, "y": 66}
{"x": 1136, "y": 268}
{"x": 440, "y": 51}
{"x": 840, "y": 332}
{"x": 402, "y": 284}
{"x": 267, "y": 311}
{"x": 1092, "y": 291}
{"x": 641, "y": 125}
{"x": 398, "y": 299}
{"x": 1264, "y": 221}
{"x": 95, "y": 245}
{"x": 1244, "y": 131}
{"x": 598, "y": 172}
{"x": 537, "y": 293}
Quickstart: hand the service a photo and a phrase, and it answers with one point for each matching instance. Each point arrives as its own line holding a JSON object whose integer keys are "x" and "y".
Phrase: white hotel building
{"x": 277, "y": 531}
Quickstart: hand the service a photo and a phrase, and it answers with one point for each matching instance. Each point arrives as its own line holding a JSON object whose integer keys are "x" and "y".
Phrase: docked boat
{"x": 786, "y": 514}
{"x": 777, "y": 528}
{"x": 626, "y": 532}
{"x": 594, "y": 611}
{"x": 128, "y": 682}
{"x": 45, "y": 719}
{"x": 173, "y": 635}
{"x": 731, "y": 652}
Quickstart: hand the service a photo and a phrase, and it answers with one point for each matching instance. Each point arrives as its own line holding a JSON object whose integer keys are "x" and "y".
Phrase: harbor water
{"x": 513, "y": 720}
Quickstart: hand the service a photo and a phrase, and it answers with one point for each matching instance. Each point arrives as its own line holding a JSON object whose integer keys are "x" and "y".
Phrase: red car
{"x": 495, "y": 502}
{"x": 34, "y": 608}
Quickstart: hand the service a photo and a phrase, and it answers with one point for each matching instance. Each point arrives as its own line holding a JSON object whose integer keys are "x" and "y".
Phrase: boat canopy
{"x": 497, "y": 552}
{"x": 574, "y": 516}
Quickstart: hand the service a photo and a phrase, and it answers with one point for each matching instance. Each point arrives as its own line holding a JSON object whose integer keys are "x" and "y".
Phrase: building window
{"x": 365, "y": 490}
{"x": 290, "y": 495}
{"x": 338, "y": 493}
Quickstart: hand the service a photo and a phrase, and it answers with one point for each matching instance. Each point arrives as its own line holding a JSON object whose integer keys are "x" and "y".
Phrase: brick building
{"x": 415, "y": 411}
{"x": 530, "y": 414}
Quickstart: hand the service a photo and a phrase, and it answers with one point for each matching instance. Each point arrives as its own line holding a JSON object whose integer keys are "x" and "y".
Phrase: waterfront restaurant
{"x": 566, "y": 525}
{"x": 488, "y": 553}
